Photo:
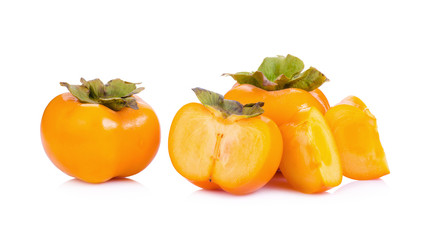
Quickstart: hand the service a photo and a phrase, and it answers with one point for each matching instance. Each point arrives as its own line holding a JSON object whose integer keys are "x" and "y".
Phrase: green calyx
{"x": 228, "y": 108}
{"x": 116, "y": 94}
{"x": 276, "y": 73}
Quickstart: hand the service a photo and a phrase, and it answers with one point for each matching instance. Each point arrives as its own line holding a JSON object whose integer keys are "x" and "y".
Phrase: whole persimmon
{"x": 280, "y": 83}
{"x": 356, "y": 133}
{"x": 97, "y": 132}
{"x": 310, "y": 161}
{"x": 224, "y": 144}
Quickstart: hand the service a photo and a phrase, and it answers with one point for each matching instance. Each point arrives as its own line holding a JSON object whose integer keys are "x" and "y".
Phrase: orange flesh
{"x": 356, "y": 134}
{"x": 310, "y": 161}
{"x": 238, "y": 156}
{"x": 280, "y": 105}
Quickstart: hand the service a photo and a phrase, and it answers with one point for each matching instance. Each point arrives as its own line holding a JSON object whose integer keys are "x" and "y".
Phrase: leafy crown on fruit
{"x": 228, "y": 108}
{"x": 116, "y": 94}
{"x": 276, "y": 73}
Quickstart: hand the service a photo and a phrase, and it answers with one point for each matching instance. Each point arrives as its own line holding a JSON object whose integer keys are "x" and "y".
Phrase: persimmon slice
{"x": 310, "y": 161}
{"x": 356, "y": 134}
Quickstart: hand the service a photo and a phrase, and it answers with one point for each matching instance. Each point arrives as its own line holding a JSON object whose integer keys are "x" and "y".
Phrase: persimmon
{"x": 355, "y": 130}
{"x": 320, "y": 96}
{"x": 280, "y": 83}
{"x": 288, "y": 92}
{"x": 223, "y": 144}
{"x": 310, "y": 160}
{"x": 96, "y": 132}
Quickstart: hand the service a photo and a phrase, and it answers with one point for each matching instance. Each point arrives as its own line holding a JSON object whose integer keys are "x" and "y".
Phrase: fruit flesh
{"x": 280, "y": 105}
{"x": 238, "y": 156}
{"x": 355, "y": 131}
{"x": 310, "y": 160}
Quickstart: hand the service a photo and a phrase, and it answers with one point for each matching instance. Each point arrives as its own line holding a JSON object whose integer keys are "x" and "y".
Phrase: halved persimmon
{"x": 356, "y": 134}
{"x": 310, "y": 160}
{"x": 221, "y": 143}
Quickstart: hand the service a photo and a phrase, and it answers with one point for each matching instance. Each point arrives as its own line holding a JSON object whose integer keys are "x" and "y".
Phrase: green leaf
{"x": 135, "y": 91}
{"x": 257, "y": 79}
{"x": 119, "y": 88}
{"x": 253, "y": 109}
{"x": 281, "y": 72}
{"x": 117, "y": 104}
{"x": 226, "y": 107}
{"x": 96, "y": 88}
{"x": 81, "y": 92}
{"x": 232, "y": 107}
{"x": 113, "y": 103}
{"x": 131, "y": 102}
{"x": 208, "y": 97}
{"x": 309, "y": 80}
{"x": 116, "y": 94}
{"x": 274, "y": 67}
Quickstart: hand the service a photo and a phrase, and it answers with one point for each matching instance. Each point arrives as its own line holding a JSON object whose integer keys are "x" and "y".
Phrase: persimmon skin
{"x": 320, "y": 96}
{"x": 206, "y": 185}
{"x": 94, "y": 143}
{"x": 280, "y": 105}
{"x": 356, "y": 133}
{"x": 317, "y": 93}
{"x": 209, "y": 161}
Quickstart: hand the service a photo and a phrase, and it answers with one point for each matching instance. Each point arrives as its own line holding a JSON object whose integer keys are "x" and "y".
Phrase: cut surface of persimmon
{"x": 310, "y": 160}
{"x": 357, "y": 138}
{"x": 222, "y": 144}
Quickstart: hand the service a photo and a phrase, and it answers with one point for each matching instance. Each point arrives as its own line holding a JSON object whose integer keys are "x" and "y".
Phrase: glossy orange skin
{"x": 319, "y": 95}
{"x": 238, "y": 156}
{"x": 94, "y": 143}
{"x": 357, "y": 138}
{"x": 280, "y": 105}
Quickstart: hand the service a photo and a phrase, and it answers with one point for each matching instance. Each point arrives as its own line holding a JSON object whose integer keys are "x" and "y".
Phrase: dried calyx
{"x": 276, "y": 73}
{"x": 229, "y": 109}
{"x": 116, "y": 94}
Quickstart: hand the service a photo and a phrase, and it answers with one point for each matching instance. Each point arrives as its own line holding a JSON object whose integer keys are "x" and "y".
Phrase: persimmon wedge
{"x": 222, "y": 144}
{"x": 356, "y": 133}
{"x": 310, "y": 160}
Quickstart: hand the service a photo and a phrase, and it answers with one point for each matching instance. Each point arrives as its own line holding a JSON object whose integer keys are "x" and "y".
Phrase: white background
{"x": 388, "y": 53}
